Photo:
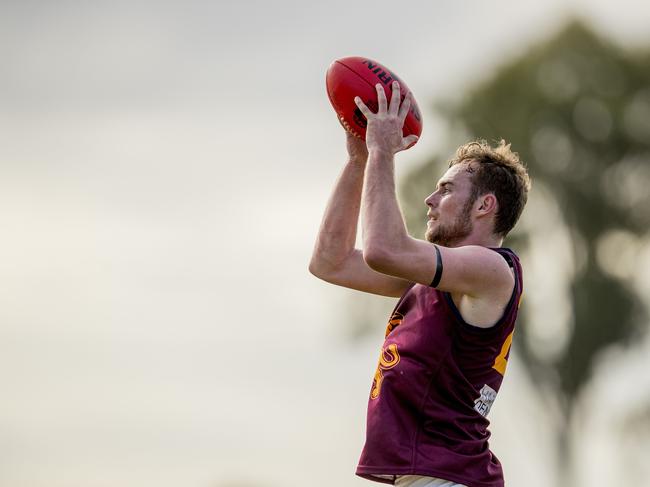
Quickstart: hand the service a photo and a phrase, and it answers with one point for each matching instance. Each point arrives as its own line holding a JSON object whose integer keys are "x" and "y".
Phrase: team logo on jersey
{"x": 483, "y": 404}
{"x": 394, "y": 322}
{"x": 388, "y": 358}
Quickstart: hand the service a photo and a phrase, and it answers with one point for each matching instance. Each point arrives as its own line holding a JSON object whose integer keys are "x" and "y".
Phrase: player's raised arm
{"x": 335, "y": 258}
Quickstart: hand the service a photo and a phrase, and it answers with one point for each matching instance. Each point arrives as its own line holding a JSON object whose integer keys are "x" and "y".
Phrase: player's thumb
{"x": 409, "y": 141}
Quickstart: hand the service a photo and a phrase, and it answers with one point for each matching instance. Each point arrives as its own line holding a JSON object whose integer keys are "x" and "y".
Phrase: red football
{"x": 357, "y": 76}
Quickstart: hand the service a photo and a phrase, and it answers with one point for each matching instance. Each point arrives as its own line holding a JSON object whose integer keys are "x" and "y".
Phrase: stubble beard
{"x": 451, "y": 234}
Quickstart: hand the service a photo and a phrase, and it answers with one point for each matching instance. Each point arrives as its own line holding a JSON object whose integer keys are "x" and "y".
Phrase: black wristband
{"x": 436, "y": 278}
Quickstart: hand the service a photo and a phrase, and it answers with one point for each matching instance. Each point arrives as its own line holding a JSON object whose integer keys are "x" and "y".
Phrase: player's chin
{"x": 430, "y": 236}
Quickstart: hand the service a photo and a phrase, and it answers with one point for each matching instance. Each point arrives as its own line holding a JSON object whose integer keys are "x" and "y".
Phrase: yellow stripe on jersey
{"x": 501, "y": 362}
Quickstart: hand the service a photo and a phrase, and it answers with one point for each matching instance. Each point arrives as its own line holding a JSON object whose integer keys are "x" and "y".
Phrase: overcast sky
{"x": 163, "y": 170}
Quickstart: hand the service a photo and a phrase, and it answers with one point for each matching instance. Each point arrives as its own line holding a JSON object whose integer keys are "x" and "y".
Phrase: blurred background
{"x": 163, "y": 170}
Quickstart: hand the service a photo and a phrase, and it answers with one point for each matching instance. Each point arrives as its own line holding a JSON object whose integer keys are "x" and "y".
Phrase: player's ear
{"x": 486, "y": 204}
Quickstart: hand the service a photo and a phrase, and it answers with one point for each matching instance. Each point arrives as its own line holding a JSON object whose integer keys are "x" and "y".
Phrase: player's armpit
{"x": 354, "y": 273}
{"x": 471, "y": 270}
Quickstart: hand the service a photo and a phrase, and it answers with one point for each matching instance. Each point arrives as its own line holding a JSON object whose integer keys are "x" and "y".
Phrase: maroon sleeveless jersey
{"x": 435, "y": 383}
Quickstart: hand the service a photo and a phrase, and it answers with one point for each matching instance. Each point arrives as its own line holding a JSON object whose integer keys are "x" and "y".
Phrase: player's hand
{"x": 384, "y": 131}
{"x": 357, "y": 149}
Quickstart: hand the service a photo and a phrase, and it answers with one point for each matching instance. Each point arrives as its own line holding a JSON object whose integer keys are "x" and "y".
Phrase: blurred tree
{"x": 577, "y": 109}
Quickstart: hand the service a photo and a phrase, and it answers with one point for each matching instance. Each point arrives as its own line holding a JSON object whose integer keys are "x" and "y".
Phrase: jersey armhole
{"x": 506, "y": 311}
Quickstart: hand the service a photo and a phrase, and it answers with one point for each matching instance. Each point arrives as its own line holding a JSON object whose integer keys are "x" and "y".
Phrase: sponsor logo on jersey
{"x": 483, "y": 404}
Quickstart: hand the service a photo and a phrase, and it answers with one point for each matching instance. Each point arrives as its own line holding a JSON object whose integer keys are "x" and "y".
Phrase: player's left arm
{"x": 387, "y": 246}
{"x": 470, "y": 270}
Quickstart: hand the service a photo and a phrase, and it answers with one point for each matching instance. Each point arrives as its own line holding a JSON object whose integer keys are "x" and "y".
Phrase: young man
{"x": 448, "y": 339}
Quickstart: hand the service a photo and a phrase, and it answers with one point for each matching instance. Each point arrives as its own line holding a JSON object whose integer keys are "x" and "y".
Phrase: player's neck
{"x": 475, "y": 238}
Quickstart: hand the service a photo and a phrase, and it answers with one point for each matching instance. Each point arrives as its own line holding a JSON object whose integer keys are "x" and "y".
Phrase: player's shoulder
{"x": 509, "y": 255}
{"x": 476, "y": 270}
{"x": 479, "y": 254}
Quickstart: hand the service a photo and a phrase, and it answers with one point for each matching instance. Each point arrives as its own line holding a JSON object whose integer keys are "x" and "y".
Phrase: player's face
{"x": 450, "y": 208}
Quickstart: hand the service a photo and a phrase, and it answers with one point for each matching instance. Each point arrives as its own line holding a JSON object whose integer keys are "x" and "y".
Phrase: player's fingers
{"x": 381, "y": 98}
{"x": 404, "y": 109}
{"x": 394, "y": 99}
{"x": 362, "y": 106}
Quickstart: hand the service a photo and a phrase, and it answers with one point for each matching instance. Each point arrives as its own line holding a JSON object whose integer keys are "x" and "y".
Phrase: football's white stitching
{"x": 347, "y": 127}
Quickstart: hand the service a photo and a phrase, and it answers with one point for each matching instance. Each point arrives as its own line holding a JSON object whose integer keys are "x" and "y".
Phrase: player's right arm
{"x": 335, "y": 259}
